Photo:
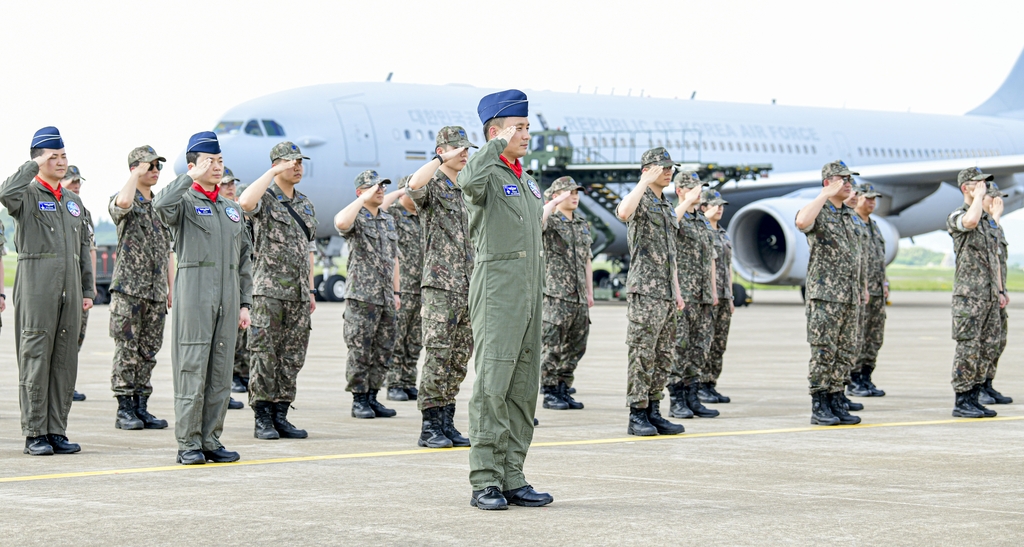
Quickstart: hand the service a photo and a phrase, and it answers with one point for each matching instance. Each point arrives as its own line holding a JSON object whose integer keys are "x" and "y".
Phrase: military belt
{"x": 500, "y": 256}
{"x": 196, "y": 265}
{"x": 33, "y": 256}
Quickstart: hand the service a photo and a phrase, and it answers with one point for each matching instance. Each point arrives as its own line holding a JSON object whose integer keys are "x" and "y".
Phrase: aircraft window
{"x": 408, "y": 135}
{"x": 730, "y": 147}
{"x": 604, "y": 141}
{"x": 419, "y": 135}
{"x": 704, "y": 144}
{"x": 680, "y": 146}
{"x": 814, "y": 150}
{"x": 396, "y": 135}
{"x": 273, "y": 128}
{"x": 632, "y": 141}
{"x": 686, "y": 144}
{"x": 713, "y": 145}
{"x": 773, "y": 148}
{"x": 227, "y": 128}
{"x": 721, "y": 146}
{"x": 253, "y": 128}
{"x": 747, "y": 144}
{"x": 659, "y": 142}
{"x": 805, "y": 150}
{"x": 623, "y": 142}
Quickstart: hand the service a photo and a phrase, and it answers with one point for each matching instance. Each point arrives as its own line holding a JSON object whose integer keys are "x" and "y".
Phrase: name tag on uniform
{"x": 47, "y": 206}
{"x": 204, "y": 211}
{"x": 511, "y": 190}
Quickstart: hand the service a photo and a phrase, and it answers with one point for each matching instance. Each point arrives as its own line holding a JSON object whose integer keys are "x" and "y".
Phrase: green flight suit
{"x": 54, "y": 275}
{"x": 214, "y": 264}
{"x": 505, "y": 298}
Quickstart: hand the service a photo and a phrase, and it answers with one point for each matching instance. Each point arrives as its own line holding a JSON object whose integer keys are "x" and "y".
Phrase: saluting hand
{"x": 693, "y": 194}
{"x": 243, "y": 318}
{"x": 979, "y": 190}
{"x": 282, "y": 167}
{"x": 200, "y": 169}
{"x": 506, "y": 134}
{"x": 832, "y": 188}
{"x": 561, "y": 197}
{"x": 997, "y": 207}
{"x": 652, "y": 174}
{"x": 453, "y": 153}
{"x": 42, "y": 158}
{"x": 711, "y": 211}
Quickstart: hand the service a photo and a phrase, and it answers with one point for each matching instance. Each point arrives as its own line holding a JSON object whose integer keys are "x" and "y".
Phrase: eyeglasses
{"x": 155, "y": 165}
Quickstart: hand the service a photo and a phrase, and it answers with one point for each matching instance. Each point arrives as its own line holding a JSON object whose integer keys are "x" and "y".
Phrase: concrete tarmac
{"x": 757, "y": 475}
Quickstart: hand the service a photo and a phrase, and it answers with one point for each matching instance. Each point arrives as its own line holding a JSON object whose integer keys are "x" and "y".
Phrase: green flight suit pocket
{"x": 35, "y": 351}
{"x": 497, "y": 376}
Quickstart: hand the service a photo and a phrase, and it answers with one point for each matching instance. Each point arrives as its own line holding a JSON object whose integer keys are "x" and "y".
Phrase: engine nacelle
{"x": 768, "y": 248}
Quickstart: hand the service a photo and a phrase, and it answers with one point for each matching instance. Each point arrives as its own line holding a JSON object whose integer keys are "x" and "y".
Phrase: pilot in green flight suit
{"x": 505, "y": 296}
{"x": 212, "y": 290}
{"x": 52, "y": 287}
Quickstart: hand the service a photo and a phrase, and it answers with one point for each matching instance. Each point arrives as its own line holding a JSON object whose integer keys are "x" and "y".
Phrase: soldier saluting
{"x": 53, "y": 286}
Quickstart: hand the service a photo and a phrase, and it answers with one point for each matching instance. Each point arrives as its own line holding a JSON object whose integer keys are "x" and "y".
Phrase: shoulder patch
{"x": 74, "y": 209}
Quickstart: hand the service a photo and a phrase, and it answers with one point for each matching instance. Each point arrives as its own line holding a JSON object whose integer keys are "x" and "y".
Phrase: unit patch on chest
{"x": 232, "y": 213}
{"x": 74, "y": 209}
{"x": 533, "y": 187}
{"x": 47, "y": 206}
{"x": 203, "y": 211}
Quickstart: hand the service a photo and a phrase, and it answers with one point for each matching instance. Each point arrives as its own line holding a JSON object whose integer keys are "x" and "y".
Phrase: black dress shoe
{"x": 38, "y": 446}
{"x": 235, "y": 405}
{"x": 221, "y": 455}
{"x": 78, "y": 397}
{"x": 191, "y": 457}
{"x": 526, "y": 496}
{"x": 61, "y": 445}
{"x": 488, "y": 499}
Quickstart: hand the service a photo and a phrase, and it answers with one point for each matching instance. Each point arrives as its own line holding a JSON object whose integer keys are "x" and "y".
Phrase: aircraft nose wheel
{"x": 334, "y": 289}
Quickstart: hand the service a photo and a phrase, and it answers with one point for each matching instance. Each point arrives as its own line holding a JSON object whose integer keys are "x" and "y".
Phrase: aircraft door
{"x": 360, "y": 139}
{"x": 842, "y": 145}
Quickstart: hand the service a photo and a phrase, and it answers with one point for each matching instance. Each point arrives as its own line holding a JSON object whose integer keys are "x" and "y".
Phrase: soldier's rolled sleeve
{"x": 167, "y": 203}
{"x": 312, "y": 246}
{"x": 421, "y": 195}
{"x": 474, "y": 177}
{"x": 352, "y": 230}
{"x": 256, "y": 210}
{"x": 117, "y": 214}
{"x": 957, "y": 221}
{"x": 12, "y": 191}
{"x": 811, "y": 228}
{"x": 641, "y": 209}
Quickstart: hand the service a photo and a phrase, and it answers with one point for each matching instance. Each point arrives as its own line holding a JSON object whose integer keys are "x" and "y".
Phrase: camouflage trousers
{"x": 871, "y": 331}
{"x": 651, "y": 337}
{"x": 832, "y": 334}
{"x": 370, "y": 338}
{"x": 137, "y": 327}
{"x": 990, "y": 374}
{"x": 278, "y": 338}
{"x": 566, "y": 328}
{"x": 241, "y": 368}
{"x": 721, "y": 320}
{"x": 408, "y": 343}
{"x": 694, "y": 332}
{"x": 976, "y": 329}
{"x": 448, "y": 339}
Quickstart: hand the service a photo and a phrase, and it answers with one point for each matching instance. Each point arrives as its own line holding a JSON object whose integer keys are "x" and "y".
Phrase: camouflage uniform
{"x": 370, "y": 309}
{"x": 976, "y": 318}
{"x": 695, "y": 249}
{"x": 721, "y": 317}
{"x": 651, "y": 307}
{"x": 566, "y": 314}
{"x": 279, "y": 333}
{"x": 138, "y": 290}
{"x": 447, "y": 269}
{"x": 834, "y": 291}
{"x": 872, "y": 320}
{"x": 90, "y": 228}
{"x": 409, "y": 342}
{"x": 990, "y": 372}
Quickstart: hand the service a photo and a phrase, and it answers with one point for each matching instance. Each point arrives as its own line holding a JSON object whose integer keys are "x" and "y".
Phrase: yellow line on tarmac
{"x": 617, "y": 440}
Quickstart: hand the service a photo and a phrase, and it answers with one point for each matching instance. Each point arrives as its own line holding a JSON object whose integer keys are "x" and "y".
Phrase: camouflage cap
{"x": 403, "y": 182}
{"x": 369, "y": 178}
{"x": 229, "y": 177}
{"x": 866, "y": 189}
{"x": 286, "y": 151}
{"x": 687, "y": 180}
{"x": 562, "y": 184}
{"x": 971, "y": 174}
{"x": 658, "y": 156}
{"x": 73, "y": 174}
{"x": 454, "y": 136}
{"x": 712, "y": 198}
{"x": 144, "y": 154}
{"x": 993, "y": 191}
{"x": 836, "y": 169}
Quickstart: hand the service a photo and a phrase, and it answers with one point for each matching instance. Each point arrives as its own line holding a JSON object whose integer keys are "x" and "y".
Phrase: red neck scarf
{"x": 57, "y": 192}
{"x": 516, "y": 167}
{"x": 212, "y": 196}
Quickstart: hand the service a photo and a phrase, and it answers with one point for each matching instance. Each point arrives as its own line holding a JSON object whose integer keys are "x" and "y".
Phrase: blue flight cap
{"x": 205, "y": 141}
{"x": 47, "y": 137}
{"x": 503, "y": 104}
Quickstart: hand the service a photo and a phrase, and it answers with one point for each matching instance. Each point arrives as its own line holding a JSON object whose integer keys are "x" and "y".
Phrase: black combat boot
{"x": 663, "y": 426}
{"x": 397, "y": 394}
{"x": 865, "y": 375}
{"x": 693, "y": 402}
{"x": 149, "y": 421}
{"x": 361, "y": 406}
{"x": 835, "y": 404}
{"x": 126, "y": 418}
{"x": 38, "y": 446}
{"x": 962, "y": 407}
{"x": 821, "y": 414}
{"x": 999, "y": 398}
{"x": 987, "y": 412}
{"x": 264, "y": 421}
{"x": 713, "y": 391}
{"x": 236, "y": 384}
{"x": 677, "y": 398}
{"x": 412, "y": 393}
{"x": 553, "y": 399}
{"x": 705, "y": 396}
{"x": 857, "y": 386}
{"x": 639, "y": 425}
{"x": 848, "y": 404}
{"x": 448, "y": 427}
{"x": 432, "y": 432}
{"x": 61, "y": 445}
{"x": 380, "y": 410}
{"x": 234, "y": 405}
{"x": 563, "y": 392}
{"x": 281, "y": 423}
{"x": 984, "y": 398}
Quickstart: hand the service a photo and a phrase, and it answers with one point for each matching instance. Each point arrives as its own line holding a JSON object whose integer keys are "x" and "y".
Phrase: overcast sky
{"x": 114, "y": 75}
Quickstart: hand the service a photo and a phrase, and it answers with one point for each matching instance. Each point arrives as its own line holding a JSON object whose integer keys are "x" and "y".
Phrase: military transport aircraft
{"x": 910, "y": 158}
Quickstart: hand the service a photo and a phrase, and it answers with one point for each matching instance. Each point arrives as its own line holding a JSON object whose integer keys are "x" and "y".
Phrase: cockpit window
{"x": 561, "y": 141}
{"x": 273, "y": 128}
{"x": 227, "y": 128}
{"x": 538, "y": 142}
{"x": 253, "y": 128}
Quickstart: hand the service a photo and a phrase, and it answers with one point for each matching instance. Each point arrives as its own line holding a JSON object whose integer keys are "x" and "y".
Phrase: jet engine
{"x": 768, "y": 248}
